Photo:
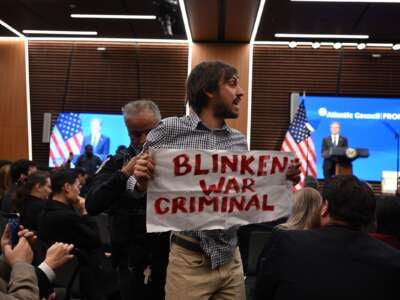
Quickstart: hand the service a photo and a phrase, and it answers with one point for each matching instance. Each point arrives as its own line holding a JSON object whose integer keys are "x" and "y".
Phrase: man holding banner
{"x": 205, "y": 263}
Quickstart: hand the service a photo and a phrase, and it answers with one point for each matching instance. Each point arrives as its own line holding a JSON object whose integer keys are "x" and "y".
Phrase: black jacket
{"x": 30, "y": 211}
{"x": 59, "y": 222}
{"x": 333, "y": 262}
{"x": 108, "y": 193}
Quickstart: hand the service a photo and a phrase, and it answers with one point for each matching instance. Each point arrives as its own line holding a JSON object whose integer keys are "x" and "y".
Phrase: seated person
{"x": 65, "y": 219}
{"x": 305, "y": 211}
{"x": 388, "y": 221}
{"x": 338, "y": 260}
{"x": 31, "y": 198}
{"x": 19, "y": 280}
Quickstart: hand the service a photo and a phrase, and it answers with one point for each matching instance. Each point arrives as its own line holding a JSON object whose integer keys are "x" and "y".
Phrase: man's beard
{"x": 221, "y": 110}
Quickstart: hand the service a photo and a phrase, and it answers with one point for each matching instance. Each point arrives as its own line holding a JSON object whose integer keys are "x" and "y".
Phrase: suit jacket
{"x": 20, "y": 282}
{"x": 327, "y": 144}
{"x": 102, "y": 148}
{"x": 333, "y": 262}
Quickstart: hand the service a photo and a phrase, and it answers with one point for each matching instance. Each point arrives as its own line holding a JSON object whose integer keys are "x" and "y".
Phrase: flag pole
{"x": 307, "y": 146}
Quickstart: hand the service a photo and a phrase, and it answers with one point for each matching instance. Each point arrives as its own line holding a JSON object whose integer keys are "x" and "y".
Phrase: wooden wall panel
{"x": 74, "y": 76}
{"x": 13, "y": 107}
{"x": 279, "y": 70}
{"x": 236, "y": 55}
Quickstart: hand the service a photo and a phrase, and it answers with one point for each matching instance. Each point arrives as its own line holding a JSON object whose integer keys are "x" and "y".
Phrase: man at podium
{"x": 332, "y": 141}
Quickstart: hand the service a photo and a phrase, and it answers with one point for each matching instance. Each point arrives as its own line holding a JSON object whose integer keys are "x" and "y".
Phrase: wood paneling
{"x": 74, "y": 76}
{"x": 279, "y": 70}
{"x": 236, "y": 55}
{"x": 13, "y": 108}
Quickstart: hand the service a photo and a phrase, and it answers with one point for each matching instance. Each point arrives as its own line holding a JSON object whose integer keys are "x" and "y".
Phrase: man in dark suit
{"x": 332, "y": 141}
{"x": 337, "y": 261}
{"x": 100, "y": 142}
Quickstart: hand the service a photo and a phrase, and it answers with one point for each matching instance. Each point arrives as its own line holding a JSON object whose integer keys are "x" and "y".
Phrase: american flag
{"x": 66, "y": 137}
{"x": 298, "y": 139}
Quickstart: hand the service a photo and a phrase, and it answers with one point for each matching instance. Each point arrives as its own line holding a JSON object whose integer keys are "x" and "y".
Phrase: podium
{"x": 344, "y": 157}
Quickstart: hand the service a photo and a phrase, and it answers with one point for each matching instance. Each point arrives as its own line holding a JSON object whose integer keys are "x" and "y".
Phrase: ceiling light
{"x": 120, "y": 17}
{"x": 337, "y": 46}
{"x": 322, "y": 36}
{"x": 292, "y": 44}
{"x": 350, "y": 1}
{"x": 361, "y": 46}
{"x": 60, "y": 32}
{"x": 396, "y": 47}
{"x": 185, "y": 20}
{"x": 13, "y": 30}
{"x": 316, "y": 45}
{"x": 101, "y": 48}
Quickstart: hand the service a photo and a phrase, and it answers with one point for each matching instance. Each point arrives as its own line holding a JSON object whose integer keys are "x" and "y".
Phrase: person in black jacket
{"x": 338, "y": 260}
{"x": 64, "y": 219}
{"x": 140, "y": 258}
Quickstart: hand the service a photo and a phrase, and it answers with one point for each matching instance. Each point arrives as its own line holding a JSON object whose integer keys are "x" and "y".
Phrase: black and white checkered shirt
{"x": 190, "y": 133}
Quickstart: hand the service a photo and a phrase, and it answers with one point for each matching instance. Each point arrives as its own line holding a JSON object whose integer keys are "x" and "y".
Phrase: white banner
{"x": 202, "y": 190}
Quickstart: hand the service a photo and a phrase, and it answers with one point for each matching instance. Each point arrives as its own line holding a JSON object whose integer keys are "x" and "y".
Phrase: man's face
{"x": 89, "y": 150}
{"x": 335, "y": 128}
{"x": 95, "y": 126}
{"x": 72, "y": 192}
{"x": 139, "y": 125}
{"x": 226, "y": 100}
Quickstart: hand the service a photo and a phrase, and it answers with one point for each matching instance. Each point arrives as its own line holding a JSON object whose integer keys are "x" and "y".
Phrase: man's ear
{"x": 324, "y": 208}
{"x": 67, "y": 187}
{"x": 210, "y": 95}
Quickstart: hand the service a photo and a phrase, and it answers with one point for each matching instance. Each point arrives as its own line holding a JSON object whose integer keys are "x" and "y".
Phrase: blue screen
{"x": 73, "y": 131}
{"x": 366, "y": 122}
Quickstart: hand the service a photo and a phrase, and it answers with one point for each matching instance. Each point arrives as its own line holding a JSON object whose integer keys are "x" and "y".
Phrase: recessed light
{"x": 361, "y": 46}
{"x": 316, "y": 45}
{"x": 322, "y": 36}
{"x": 292, "y": 44}
{"x": 120, "y": 17}
{"x": 101, "y": 48}
{"x": 60, "y": 32}
{"x": 396, "y": 47}
{"x": 337, "y": 46}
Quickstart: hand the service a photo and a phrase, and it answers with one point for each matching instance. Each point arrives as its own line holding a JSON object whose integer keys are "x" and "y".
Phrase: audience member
{"x": 305, "y": 211}
{"x": 30, "y": 198}
{"x": 18, "y": 278}
{"x": 336, "y": 261}
{"x": 134, "y": 250}
{"x": 89, "y": 161}
{"x": 65, "y": 219}
{"x": 206, "y": 263}
{"x": 19, "y": 171}
{"x": 388, "y": 221}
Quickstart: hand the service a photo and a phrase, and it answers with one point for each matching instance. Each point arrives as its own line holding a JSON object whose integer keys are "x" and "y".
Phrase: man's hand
{"x": 80, "y": 205}
{"x": 128, "y": 168}
{"x": 22, "y": 252}
{"x": 58, "y": 254}
{"x": 293, "y": 173}
{"x": 143, "y": 171}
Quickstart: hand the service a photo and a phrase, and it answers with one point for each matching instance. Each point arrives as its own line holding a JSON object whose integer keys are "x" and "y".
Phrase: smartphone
{"x": 13, "y": 221}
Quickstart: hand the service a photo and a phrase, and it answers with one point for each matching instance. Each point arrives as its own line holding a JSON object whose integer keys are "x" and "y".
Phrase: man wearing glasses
{"x": 139, "y": 257}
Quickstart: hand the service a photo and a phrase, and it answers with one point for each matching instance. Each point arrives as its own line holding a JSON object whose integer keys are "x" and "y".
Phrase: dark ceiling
{"x": 55, "y": 15}
{"x": 379, "y": 21}
{"x": 210, "y": 20}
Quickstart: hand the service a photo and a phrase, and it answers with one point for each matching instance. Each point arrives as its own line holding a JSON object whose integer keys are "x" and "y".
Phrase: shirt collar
{"x": 196, "y": 123}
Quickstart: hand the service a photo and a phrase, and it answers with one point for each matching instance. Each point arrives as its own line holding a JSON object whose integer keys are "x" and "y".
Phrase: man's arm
{"x": 107, "y": 186}
{"x": 345, "y": 142}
